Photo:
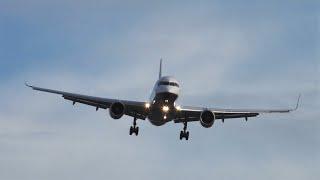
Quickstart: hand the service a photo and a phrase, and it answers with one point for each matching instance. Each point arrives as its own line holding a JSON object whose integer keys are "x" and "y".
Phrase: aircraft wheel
{"x": 181, "y": 135}
{"x": 187, "y": 136}
{"x": 131, "y": 130}
{"x": 137, "y": 131}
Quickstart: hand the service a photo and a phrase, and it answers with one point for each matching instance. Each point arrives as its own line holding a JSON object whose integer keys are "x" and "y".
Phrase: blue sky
{"x": 233, "y": 54}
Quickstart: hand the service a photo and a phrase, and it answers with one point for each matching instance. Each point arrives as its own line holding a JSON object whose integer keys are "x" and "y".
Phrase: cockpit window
{"x": 165, "y": 83}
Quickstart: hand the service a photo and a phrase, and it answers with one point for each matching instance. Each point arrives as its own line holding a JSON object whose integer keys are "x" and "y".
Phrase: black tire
{"x": 131, "y": 130}
{"x": 137, "y": 131}
{"x": 181, "y": 135}
{"x": 187, "y": 135}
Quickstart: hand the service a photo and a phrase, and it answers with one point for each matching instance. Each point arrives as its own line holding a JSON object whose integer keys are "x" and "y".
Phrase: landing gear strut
{"x": 184, "y": 133}
{"x": 134, "y": 129}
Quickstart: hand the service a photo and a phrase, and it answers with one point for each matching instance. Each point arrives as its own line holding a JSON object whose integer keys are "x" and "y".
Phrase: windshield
{"x": 165, "y": 83}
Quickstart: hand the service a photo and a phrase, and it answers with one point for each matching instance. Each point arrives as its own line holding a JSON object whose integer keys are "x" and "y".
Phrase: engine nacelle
{"x": 207, "y": 118}
{"x": 117, "y": 110}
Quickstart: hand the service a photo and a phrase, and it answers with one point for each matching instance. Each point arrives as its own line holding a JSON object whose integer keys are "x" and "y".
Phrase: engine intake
{"x": 117, "y": 110}
{"x": 207, "y": 118}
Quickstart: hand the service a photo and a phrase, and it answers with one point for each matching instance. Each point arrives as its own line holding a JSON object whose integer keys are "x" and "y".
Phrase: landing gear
{"x": 184, "y": 133}
{"x": 134, "y": 129}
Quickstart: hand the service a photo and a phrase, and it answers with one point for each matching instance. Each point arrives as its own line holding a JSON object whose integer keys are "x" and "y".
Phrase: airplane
{"x": 161, "y": 107}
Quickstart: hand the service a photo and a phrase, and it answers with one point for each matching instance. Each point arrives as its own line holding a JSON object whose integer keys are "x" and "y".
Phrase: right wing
{"x": 188, "y": 114}
{"x": 133, "y": 108}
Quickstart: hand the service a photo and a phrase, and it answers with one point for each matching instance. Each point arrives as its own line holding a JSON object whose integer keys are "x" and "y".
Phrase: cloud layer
{"x": 248, "y": 55}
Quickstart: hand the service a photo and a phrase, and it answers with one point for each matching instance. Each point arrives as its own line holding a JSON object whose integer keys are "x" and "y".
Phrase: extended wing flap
{"x": 133, "y": 108}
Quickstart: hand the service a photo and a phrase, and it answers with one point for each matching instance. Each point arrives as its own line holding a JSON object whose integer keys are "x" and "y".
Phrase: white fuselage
{"x": 162, "y": 101}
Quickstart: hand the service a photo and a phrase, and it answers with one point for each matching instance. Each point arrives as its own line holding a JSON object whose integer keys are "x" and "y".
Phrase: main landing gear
{"x": 134, "y": 129}
{"x": 184, "y": 133}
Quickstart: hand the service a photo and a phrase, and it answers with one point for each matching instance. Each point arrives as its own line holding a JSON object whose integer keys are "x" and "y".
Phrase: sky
{"x": 226, "y": 54}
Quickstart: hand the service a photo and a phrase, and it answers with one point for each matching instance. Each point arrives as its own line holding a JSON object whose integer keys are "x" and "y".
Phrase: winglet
{"x": 298, "y": 103}
{"x": 160, "y": 70}
{"x": 27, "y": 84}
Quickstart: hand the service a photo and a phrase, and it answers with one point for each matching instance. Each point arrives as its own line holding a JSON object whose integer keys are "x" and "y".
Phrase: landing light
{"x": 164, "y": 117}
{"x": 147, "y": 105}
{"x": 165, "y": 108}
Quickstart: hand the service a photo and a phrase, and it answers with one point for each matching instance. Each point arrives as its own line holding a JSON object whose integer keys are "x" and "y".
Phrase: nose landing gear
{"x": 134, "y": 129}
{"x": 184, "y": 133}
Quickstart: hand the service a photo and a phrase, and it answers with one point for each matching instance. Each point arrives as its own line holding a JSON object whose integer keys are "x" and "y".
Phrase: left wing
{"x": 133, "y": 108}
{"x": 188, "y": 114}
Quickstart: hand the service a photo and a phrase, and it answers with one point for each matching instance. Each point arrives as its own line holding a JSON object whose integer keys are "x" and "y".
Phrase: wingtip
{"x": 26, "y": 83}
{"x": 298, "y": 102}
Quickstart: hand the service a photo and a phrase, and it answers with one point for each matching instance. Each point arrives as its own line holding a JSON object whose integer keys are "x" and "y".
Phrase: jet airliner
{"x": 161, "y": 107}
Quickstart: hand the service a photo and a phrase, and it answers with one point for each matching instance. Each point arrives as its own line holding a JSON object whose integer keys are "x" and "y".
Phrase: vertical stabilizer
{"x": 160, "y": 70}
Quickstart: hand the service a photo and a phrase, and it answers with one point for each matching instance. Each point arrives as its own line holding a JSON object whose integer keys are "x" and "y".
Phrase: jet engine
{"x": 207, "y": 118}
{"x": 117, "y": 110}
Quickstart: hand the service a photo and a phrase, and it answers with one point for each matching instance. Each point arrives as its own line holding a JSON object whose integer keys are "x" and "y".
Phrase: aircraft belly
{"x": 158, "y": 118}
{"x": 157, "y": 123}
{"x": 166, "y": 98}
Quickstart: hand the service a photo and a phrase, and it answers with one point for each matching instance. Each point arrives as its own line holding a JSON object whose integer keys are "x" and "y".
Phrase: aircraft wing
{"x": 188, "y": 114}
{"x": 133, "y": 108}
